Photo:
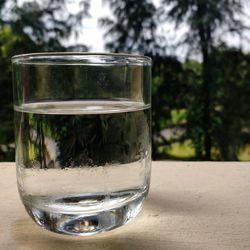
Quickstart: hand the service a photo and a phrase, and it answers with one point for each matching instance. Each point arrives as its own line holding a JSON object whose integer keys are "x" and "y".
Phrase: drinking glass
{"x": 83, "y": 138}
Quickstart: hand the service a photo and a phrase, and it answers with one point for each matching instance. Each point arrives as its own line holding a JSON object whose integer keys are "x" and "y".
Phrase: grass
{"x": 244, "y": 154}
{"x": 180, "y": 151}
{"x": 185, "y": 151}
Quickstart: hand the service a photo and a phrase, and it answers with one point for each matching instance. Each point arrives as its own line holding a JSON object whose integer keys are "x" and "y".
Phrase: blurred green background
{"x": 200, "y": 101}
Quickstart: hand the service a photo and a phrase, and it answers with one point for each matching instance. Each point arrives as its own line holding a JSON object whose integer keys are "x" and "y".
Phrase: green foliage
{"x": 87, "y": 140}
{"x": 199, "y": 110}
{"x": 205, "y": 18}
{"x": 133, "y": 28}
{"x": 31, "y": 27}
{"x": 168, "y": 93}
{"x": 231, "y": 106}
{"x": 7, "y": 40}
{"x": 199, "y": 92}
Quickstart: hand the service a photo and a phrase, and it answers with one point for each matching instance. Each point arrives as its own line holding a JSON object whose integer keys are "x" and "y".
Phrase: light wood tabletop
{"x": 191, "y": 205}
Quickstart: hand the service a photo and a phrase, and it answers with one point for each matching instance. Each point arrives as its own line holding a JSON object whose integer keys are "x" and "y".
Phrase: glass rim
{"x": 79, "y": 57}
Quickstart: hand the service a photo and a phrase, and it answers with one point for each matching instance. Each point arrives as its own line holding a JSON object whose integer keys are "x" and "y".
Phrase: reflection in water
{"x": 52, "y": 140}
{"x": 49, "y": 147}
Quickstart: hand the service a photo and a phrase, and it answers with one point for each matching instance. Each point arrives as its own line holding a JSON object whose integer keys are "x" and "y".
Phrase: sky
{"x": 92, "y": 34}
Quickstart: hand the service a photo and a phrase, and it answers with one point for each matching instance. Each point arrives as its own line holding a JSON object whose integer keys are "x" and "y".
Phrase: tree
{"x": 44, "y": 25}
{"x": 169, "y": 91}
{"x": 231, "y": 101}
{"x": 204, "y": 19}
{"x": 33, "y": 26}
{"x": 133, "y": 27}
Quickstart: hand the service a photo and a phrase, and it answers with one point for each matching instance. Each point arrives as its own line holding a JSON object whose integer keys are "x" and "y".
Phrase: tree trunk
{"x": 206, "y": 46}
{"x": 206, "y": 102}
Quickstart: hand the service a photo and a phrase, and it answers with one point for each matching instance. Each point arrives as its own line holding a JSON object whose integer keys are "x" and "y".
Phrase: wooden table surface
{"x": 190, "y": 206}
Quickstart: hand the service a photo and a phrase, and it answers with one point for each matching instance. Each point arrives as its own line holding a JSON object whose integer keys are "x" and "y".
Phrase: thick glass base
{"x": 86, "y": 223}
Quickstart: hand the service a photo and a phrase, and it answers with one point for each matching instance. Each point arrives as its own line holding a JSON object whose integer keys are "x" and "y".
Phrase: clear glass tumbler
{"x": 83, "y": 138}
